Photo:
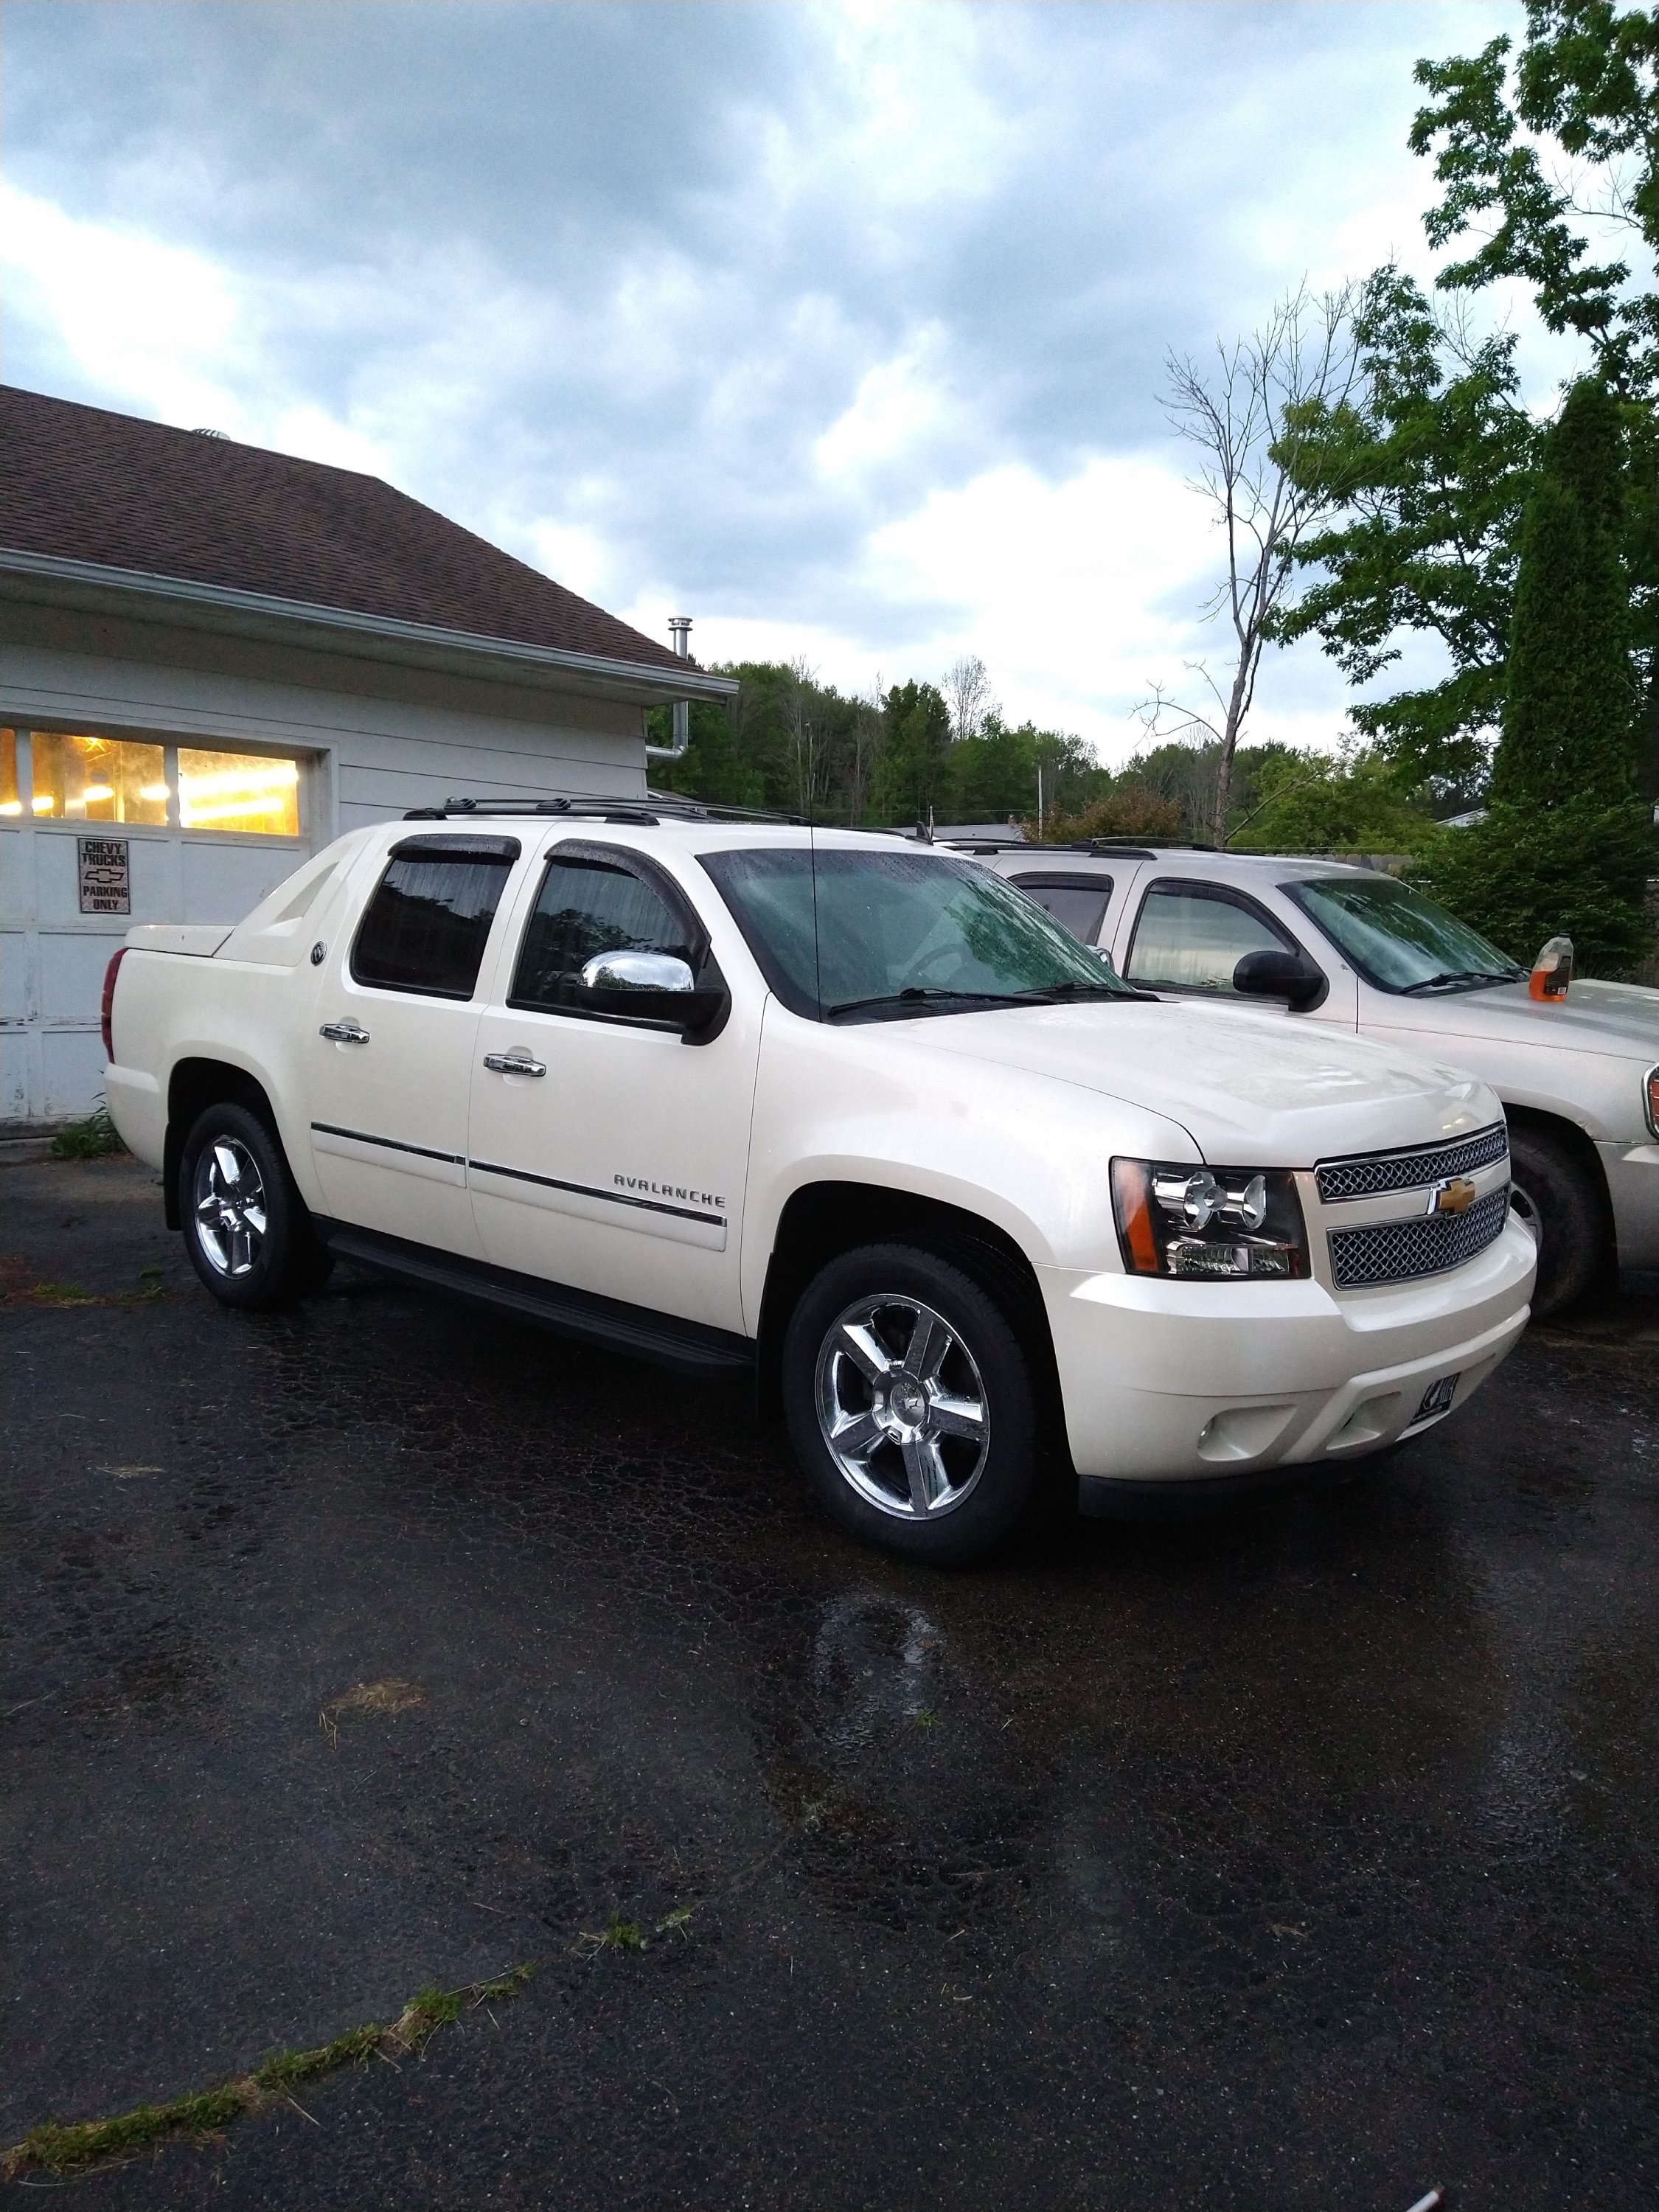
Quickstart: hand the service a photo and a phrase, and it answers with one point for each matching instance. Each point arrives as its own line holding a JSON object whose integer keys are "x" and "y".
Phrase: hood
{"x": 1251, "y": 1090}
{"x": 1621, "y": 1019}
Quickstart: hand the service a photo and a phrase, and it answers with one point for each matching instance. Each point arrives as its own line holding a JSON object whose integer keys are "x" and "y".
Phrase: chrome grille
{"x": 1365, "y": 1178}
{"x": 1426, "y": 1244}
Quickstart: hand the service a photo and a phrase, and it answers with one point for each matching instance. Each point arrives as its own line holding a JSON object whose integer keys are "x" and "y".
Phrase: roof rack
{"x": 660, "y": 809}
{"x": 1130, "y": 848}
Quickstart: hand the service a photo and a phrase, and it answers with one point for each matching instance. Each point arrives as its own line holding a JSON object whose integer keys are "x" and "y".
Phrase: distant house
{"x": 214, "y": 658}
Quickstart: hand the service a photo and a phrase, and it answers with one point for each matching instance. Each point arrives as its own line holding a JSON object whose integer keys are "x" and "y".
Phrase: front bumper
{"x": 1632, "y": 1173}
{"x": 1201, "y": 1384}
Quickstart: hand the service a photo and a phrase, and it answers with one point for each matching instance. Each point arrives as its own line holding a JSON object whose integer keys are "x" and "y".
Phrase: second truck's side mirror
{"x": 1288, "y": 975}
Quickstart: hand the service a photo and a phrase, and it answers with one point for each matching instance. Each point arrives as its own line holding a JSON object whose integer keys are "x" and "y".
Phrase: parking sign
{"x": 106, "y": 881}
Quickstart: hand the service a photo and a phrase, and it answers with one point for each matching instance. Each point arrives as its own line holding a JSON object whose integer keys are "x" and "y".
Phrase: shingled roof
{"x": 83, "y": 483}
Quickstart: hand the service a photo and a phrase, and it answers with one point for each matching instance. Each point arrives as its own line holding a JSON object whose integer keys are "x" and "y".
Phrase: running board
{"x": 689, "y": 1347}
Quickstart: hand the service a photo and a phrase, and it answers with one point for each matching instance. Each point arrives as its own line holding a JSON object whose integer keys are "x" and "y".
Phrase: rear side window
{"x": 428, "y": 922}
{"x": 584, "y": 908}
{"x": 1078, "y": 903}
{"x": 1189, "y": 938}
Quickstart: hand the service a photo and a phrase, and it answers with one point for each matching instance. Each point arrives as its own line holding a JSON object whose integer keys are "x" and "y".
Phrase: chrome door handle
{"x": 507, "y": 1063}
{"x": 344, "y": 1033}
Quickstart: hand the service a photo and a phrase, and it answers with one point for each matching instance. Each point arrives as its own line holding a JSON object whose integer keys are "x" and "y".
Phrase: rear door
{"x": 389, "y": 1061}
{"x": 606, "y": 1153}
{"x": 1077, "y": 899}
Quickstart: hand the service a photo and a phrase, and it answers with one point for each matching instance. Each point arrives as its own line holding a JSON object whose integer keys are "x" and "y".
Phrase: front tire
{"x": 246, "y": 1229}
{"x": 910, "y": 1404}
{"x": 1553, "y": 1193}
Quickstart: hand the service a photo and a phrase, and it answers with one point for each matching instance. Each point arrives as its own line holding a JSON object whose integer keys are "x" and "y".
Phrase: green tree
{"x": 1569, "y": 707}
{"x": 1532, "y": 149}
{"x": 1586, "y": 84}
{"x": 1433, "y": 459}
{"x": 1567, "y": 843}
{"x": 910, "y": 774}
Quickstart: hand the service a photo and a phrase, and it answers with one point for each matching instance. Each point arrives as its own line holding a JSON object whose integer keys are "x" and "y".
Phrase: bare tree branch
{"x": 1252, "y": 417}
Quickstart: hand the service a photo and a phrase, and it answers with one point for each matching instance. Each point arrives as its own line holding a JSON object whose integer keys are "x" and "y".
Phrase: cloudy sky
{"x": 839, "y": 328}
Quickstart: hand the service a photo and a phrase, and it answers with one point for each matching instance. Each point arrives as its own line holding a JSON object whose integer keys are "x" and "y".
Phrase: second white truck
{"x": 854, "y": 1116}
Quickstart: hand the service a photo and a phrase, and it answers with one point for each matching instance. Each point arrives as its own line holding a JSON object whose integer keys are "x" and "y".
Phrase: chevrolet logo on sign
{"x": 1456, "y": 1195}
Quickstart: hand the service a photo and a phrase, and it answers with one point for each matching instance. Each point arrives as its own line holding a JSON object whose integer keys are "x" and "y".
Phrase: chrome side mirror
{"x": 655, "y": 987}
{"x": 636, "y": 972}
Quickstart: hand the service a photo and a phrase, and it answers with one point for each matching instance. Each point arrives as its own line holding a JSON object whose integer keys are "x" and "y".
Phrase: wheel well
{"x": 194, "y": 1086}
{"x": 1579, "y": 1148}
{"x": 827, "y": 1219}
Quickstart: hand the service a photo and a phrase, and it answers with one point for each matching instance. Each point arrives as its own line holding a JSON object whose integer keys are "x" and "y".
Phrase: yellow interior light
{"x": 279, "y": 775}
{"x": 97, "y": 791}
{"x": 11, "y": 806}
{"x": 155, "y": 791}
{"x": 43, "y": 806}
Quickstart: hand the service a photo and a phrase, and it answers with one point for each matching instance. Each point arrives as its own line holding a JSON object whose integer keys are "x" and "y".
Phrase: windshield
{"x": 1398, "y": 939}
{"x": 899, "y": 933}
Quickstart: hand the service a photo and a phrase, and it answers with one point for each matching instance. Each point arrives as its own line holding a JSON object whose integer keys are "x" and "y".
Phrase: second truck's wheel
{"x": 246, "y": 1229}
{"x": 910, "y": 1404}
{"x": 1554, "y": 1195}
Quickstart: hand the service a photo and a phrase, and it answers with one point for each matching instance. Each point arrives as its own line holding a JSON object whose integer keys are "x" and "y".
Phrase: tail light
{"x": 107, "y": 1010}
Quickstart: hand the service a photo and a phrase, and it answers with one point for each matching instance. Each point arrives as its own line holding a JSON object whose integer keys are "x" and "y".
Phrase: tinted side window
{"x": 428, "y": 924}
{"x": 1079, "y": 906}
{"x": 585, "y": 908}
{"x": 1187, "y": 939}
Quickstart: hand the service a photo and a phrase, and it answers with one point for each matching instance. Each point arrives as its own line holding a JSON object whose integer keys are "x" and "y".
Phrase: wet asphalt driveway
{"x": 1302, "y": 1859}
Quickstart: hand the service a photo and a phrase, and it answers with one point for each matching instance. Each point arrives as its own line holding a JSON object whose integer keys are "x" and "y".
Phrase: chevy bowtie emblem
{"x": 1456, "y": 1195}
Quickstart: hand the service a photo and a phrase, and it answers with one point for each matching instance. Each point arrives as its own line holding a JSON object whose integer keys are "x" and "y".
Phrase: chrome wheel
{"x": 902, "y": 1407}
{"x": 230, "y": 1206}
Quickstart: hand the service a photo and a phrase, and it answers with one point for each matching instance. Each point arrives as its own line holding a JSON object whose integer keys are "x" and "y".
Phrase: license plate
{"x": 1437, "y": 1398}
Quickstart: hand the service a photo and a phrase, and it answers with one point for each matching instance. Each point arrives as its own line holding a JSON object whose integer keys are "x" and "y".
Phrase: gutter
{"x": 147, "y": 597}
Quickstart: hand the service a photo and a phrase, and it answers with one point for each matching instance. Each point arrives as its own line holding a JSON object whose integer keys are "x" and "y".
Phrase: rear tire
{"x": 246, "y": 1229}
{"x": 1554, "y": 1195}
{"x": 911, "y": 1406}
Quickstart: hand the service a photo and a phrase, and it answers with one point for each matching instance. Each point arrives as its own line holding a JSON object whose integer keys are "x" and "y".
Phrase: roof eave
{"x": 91, "y": 585}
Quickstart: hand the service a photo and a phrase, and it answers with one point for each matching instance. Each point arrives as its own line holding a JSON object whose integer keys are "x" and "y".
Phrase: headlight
{"x": 1220, "y": 1223}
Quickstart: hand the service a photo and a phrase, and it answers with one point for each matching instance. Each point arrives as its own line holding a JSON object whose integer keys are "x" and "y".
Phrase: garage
{"x": 214, "y": 659}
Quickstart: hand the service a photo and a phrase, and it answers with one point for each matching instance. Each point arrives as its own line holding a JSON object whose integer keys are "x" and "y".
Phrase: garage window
{"x": 428, "y": 924}
{"x": 91, "y": 778}
{"x": 246, "y": 791}
{"x": 10, "y": 803}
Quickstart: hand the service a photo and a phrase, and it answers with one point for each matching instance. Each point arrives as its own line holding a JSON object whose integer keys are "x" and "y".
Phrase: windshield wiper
{"x": 917, "y": 995}
{"x": 1048, "y": 995}
{"x": 1463, "y": 975}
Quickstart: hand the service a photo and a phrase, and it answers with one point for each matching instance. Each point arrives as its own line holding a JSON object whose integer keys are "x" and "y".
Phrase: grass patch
{"x": 389, "y": 1695}
{"x": 60, "y": 1297}
{"x": 93, "y": 1139}
{"x": 620, "y": 1935}
{"x": 58, "y": 2148}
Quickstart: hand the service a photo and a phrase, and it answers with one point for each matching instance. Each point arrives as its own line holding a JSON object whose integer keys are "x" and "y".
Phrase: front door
{"x": 609, "y": 1154}
{"x": 1188, "y": 937}
{"x": 389, "y": 1056}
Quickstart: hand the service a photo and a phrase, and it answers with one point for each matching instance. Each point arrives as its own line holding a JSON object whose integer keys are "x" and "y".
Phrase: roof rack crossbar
{"x": 659, "y": 810}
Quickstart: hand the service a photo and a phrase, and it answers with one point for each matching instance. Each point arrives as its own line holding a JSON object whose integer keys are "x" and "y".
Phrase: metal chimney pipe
{"x": 680, "y": 630}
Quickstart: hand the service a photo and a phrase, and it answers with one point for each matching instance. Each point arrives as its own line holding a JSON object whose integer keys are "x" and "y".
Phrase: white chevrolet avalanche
{"x": 1340, "y": 947}
{"x": 853, "y": 1115}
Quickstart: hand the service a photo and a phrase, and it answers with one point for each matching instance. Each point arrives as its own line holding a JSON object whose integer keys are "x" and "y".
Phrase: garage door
{"x": 99, "y": 831}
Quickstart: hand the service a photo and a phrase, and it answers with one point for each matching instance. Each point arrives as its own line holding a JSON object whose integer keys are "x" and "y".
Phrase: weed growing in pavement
{"x": 620, "y": 1935}
{"x": 389, "y": 1695}
{"x": 58, "y": 2148}
{"x": 93, "y": 1139}
{"x": 61, "y": 1296}
{"x": 925, "y": 1719}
